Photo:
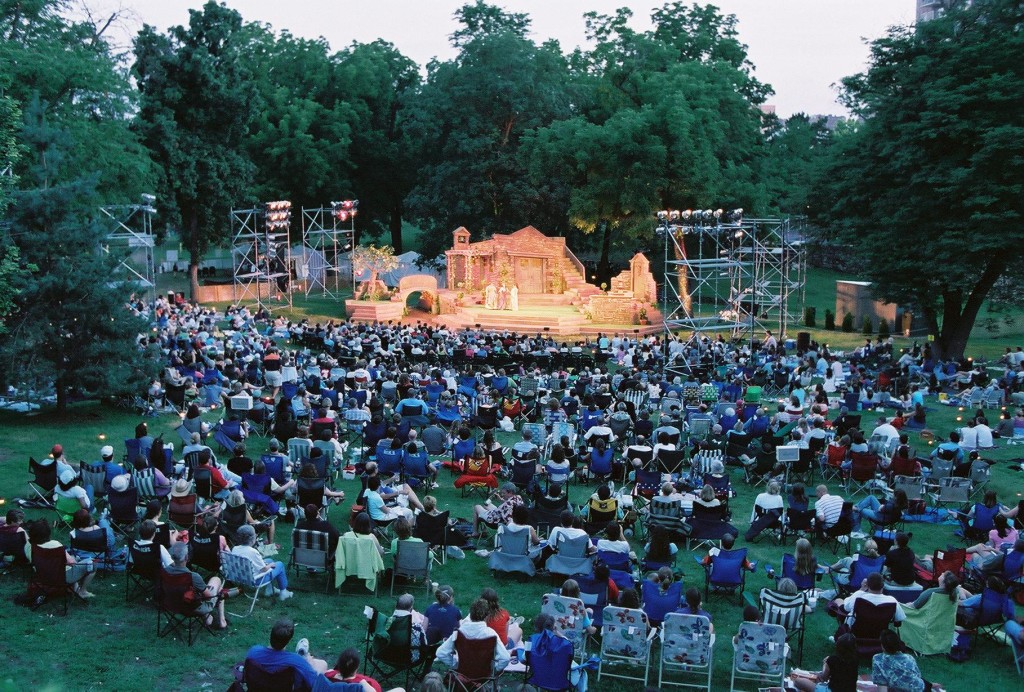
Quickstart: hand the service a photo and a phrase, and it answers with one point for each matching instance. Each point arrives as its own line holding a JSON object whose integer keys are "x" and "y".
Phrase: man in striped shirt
{"x": 827, "y": 507}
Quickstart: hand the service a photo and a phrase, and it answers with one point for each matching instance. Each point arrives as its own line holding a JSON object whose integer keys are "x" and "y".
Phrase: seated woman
{"x": 918, "y": 419}
{"x": 520, "y": 521}
{"x": 80, "y": 573}
{"x": 659, "y": 550}
{"x": 614, "y": 541}
{"x": 844, "y": 567}
{"x": 571, "y": 589}
{"x": 766, "y": 512}
{"x": 838, "y": 671}
{"x": 509, "y": 631}
{"x": 84, "y": 527}
{"x": 899, "y": 564}
{"x": 361, "y": 527}
{"x": 1002, "y": 534}
{"x": 443, "y": 615}
{"x": 798, "y": 499}
{"x": 692, "y": 606}
{"x": 557, "y": 466}
{"x": 403, "y": 532}
{"x": 949, "y": 586}
{"x": 707, "y": 505}
{"x": 874, "y": 511}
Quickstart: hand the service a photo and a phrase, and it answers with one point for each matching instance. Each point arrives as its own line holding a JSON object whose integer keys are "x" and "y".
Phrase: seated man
{"x": 728, "y": 541}
{"x": 110, "y": 469}
{"x": 209, "y": 591}
{"x": 827, "y": 508}
{"x": 475, "y": 628}
{"x": 347, "y": 670}
{"x": 870, "y": 591}
{"x": 496, "y": 515}
{"x": 219, "y": 482}
{"x": 950, "y": 449}
{"x": 274, "y": 658}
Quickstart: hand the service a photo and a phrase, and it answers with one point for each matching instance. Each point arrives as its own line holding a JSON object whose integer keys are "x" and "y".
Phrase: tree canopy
{"x": 927, "y": 190}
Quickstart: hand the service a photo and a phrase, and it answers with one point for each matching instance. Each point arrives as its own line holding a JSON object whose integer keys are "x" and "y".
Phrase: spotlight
{"x": 673, "y": 215}
{"x": 662, "y": 216}
{"x": 718, "y": 214}
{"x": 687, "y": 214}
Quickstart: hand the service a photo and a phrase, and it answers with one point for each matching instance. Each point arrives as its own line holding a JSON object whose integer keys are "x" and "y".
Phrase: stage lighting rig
{"x": 346, "y": 209}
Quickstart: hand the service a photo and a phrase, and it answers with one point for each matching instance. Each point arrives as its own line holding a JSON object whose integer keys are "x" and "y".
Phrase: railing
{"x": 574, "y": 261}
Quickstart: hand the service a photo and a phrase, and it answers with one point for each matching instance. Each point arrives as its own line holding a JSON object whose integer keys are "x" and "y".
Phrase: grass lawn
{"x": 109, "y": 644}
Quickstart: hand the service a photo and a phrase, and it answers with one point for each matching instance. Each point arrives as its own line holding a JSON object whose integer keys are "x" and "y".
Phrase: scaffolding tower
{"x": 724, "y": 274}
{"x": 130, "y": 241}
{"x": 324, "y": 240}
{"x": 262, "y": 256}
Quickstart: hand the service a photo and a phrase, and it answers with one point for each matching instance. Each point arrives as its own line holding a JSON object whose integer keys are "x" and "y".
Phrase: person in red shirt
{"x": 218, "y": 483}
{"x": 346, "y": 670}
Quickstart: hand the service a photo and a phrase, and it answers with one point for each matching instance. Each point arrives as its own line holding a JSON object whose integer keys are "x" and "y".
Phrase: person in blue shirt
{"x": 950, "y": 449}
{"x": 274, "y": 658}
{"x": 443, "y": 616}
{"x": 110, "y": 469}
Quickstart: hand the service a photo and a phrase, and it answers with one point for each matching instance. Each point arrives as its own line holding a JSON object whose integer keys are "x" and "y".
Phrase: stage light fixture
{"x": 687, "y": 214}
{"x": 718, "y": 214}
{"x": 662, "y": 216}
{"x": 673, "y": 215}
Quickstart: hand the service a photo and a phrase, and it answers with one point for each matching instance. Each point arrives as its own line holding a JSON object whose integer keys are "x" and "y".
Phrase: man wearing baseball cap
{"x": 111, "y": 469}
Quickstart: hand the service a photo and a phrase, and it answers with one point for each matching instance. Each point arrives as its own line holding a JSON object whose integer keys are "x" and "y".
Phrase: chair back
{"x": 569, "y": 614}
{"x": 670, "y": 460}
{"x": 44, "y": 476}
{"x": 864, "y": 465}
{"x": 310, "y": 491}
{"x": 594, "y": 594}
{"x": 941, "y": 468}
{"x": 182, "y": 510}
{"x": 123, "y": 505}
{"x": 12, "y": 542}
{"x": 760, "y": 648}
{"x": 615, "y": 561}
{"x": 954, "y": 490}
{"x": 949, "y": 561}
{"x": 49, "y": 564}
{"x": 572, "y": 547}
{"x": 204, "y": 551}
{"x": 191, "y": 461}
{"x": 172, "y": 591}
{"x": 624, "y": 633}
{"x": 145, "y": 481}
{"x": 658, "y": 603}
{"x": 647, "y": 483}
{"x": 803, "y": 581}
{"x": 237, "y": 569}
{"x": 133, "y": 449}
{"x": 782, "y": 609}
{"x": 991, "y": 610}
{"x": 913, "y": 486}
{"x": 298, "y": 449}
{"x": 274, "y": 465}
{"x": 550, "y": 661}
{"x": 432, "y": 530}
{"x": 94, "y": 541}
{"x": 799, "y": 519}
{"x": 310, "y": 548}
{"x": 475, "y": 658}
{"x": 514, "y": 541}
{"x": 523, "y": 470}
{"x": 94, "y": 475}
{"x": 863, "y": 566}
{"x": 389, "y": 461}
{"x": 869, "y": 620}
{"x": 259, "y": 679}
{"x": 203, "y": 478}
{"x": 412, "y": 559}
{"x": 145, "y": 559}
{"x": 727, "y": 567}
{"x": 686, "y": 639}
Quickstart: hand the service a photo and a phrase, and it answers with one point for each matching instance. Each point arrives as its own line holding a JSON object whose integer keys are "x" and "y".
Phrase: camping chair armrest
{"x": 652, "y": 634}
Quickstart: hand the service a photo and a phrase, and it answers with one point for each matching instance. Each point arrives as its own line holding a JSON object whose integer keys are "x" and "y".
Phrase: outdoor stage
{"x": 535, "y": 274}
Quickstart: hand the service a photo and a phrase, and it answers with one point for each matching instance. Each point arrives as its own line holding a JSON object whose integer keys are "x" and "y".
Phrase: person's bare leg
{"x": 515, "y": 633}
{"x": 478, "y": 513}
{"x": 83, "y": 586}
{"x": 411, "y": 495}
{"x": 270, "y": 531}
{"x": 215, "y": 584}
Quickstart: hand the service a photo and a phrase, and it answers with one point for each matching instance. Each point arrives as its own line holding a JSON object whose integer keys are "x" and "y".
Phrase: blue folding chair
{"x": 657, "y": 603}
{"x": 725, "y": 574}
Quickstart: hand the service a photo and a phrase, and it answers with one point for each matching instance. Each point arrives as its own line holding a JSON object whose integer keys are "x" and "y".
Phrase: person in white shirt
{"x": 827, "y": 508}
{"x": 263, "y": 571}
{"x": 600, "y": 429}
{"x": 984, "y": 434}
{"x": 886, "y": 430}
{"x": 475, "y": 628}
{"x": 871, "y": 591}
{"x": 969, "y": 436}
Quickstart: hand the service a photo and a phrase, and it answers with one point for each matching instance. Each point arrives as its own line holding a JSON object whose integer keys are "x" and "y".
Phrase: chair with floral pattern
{"x": 686, "y": 649}
{"x": 759, "y": 655}
{"x": 569, "y": 614}
{"x": 625, "y": 639}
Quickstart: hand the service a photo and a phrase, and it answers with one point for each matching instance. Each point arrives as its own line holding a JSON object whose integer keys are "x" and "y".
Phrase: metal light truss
{"x": 261, "y": 257}
{"x": 729, "y": 277}
{"x": 131, "y": 242}
{"x": 323, "y": 243}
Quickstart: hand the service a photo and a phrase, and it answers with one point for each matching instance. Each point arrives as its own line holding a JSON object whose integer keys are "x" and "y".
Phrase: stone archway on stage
{"x": 423, "y": 284}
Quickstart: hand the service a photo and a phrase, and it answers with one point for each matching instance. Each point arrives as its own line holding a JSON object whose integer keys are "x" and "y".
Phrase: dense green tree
{"x": 797, "y": 153}
{"x": 68, "y": 327}
{"x": 301, "y": 135}
{"x": 668, "y": 118}
{"x": 468, "y": 125}
{"x": 82, "y": 83}
{"x": 929, "y": 190}
{"x": 380, "y": 85}
{"x": 198, "y": 101}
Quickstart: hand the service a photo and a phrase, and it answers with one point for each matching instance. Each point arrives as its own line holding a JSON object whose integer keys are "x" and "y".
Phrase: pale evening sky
{"x": 801, "y": 47}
